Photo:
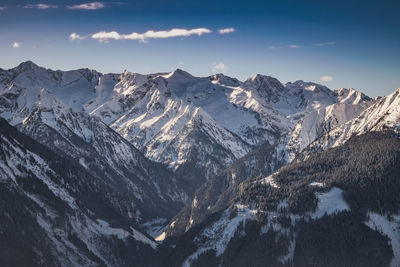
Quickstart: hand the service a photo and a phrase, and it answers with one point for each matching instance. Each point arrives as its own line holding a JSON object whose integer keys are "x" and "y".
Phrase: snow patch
{"x": 155, "y": 227}
{"x": 289, "y": 256}
{"x": 270, "y": 181}
{"x": 161, "y": 237}
{"x": 142, "y": 238}
{"x": 329, "y": 203}
{"x": 317, "y": 184}
{"x": 217, "y": 236}
{"x": 83, "y": 163}
{"x": 390, "y": 229}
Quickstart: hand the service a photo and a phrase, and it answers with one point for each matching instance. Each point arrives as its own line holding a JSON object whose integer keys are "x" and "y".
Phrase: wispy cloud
{"x": 88, "y": 6}
{"x": 16, "y": 45}
{"x": 40, "y": 6}
{"x": 104, "y": 36}
{"x": 219, "y": 68}
{"x": 74, "y": 36}
{"x": 325, "y": 43}
{"x": 2, "y": 8}
{"x": 295, "y": 46}
{"x": 226, "y": 31}
{"x": 326, "y": 78}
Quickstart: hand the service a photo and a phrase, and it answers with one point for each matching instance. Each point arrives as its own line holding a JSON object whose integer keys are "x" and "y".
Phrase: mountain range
{"x": 169, "y": 169}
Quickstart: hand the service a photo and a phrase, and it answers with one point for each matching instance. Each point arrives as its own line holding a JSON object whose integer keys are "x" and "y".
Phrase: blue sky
{"x": 336, "y": 43}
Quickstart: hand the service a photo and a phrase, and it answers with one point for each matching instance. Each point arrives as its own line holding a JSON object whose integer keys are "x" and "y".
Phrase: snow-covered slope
{"x": 203, "y": 124}
{"x": 349, "y": 104}
{"x": 54, "y": 212}
{"x": 195, "y": 125}
{"x": 96, "y": 147}
{"x": 114, "y": 128}
{"x": 301, "y": 97}
{"x": 384, "y": 114}
{"x": 322, "y": 211}
{"x": 312, "y": 114}
{"x": 74, "y": 88}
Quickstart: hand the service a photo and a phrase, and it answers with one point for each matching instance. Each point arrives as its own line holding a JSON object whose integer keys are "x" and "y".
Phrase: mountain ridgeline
{"x": 168, "y": 169}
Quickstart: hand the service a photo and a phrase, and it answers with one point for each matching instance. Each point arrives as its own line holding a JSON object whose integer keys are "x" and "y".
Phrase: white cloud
{"x": 74, "y": 36}
{"x": 104, "y": 36}
{"x": 2, "y": 8}
{"x": 219, "y": 67}
{"x": 88, "y": 6}
{"x": 226, "y": 31}
{"x": 325, "y": 43}
{"x": 16, "y": 45}
{"x": 294, "y": 46}
{"x": 40, "y": 6}
{"x": 326, "y": 78}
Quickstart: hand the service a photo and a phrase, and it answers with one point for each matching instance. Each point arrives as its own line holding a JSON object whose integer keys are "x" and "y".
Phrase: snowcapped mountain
{"x": 74, "y": 88}
{"x": 302, "y": 97}
{"x": 313, "y": 110}
{"x": 349, "y": 104}
{"x": 147, "y": 145}
{"x": 153, "y": 190}
{"x": 55, "y": 212}
{"x": 384, "y": 114}
{"x": 216, "y": 193}
{"x": 196, "y": 126}
{"x": 200, "y": 124}
{"x": 324, "y": 211}
{"x": 185, "y": 121}
{"x": 230, "y": 225}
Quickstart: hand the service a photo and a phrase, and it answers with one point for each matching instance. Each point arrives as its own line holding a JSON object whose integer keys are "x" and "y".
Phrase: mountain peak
{"x": 267, "y": 86}
{"x": 27, "y": 65}
{"x": 342, "y": 91}
{"x": 395, "y": 96}
{"x": 179, "y": 76}
{"x": 261, "y": 78}
{"x": 264, "y": 81}
{"x": 179, "y": 73}
{"x": 351, "y": 95}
